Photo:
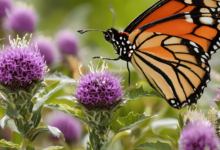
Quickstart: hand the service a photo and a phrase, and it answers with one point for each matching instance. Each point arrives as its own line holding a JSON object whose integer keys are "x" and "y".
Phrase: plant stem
{"x": 24, "y": 144}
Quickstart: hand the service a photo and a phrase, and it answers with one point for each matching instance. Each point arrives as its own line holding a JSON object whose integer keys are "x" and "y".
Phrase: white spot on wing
{"x": 193, "y": 43}
{"x": 207, "y": 20}
{"x": 215, "y": 47}
{"x": 172, "y": 101}
{"x": 202, "y": 60}
{"x": 207, "y": 81}
{"x": 196, "y": 49}
{"x": 188, "y": 1}
{"x": 207, "y": 68}
{"x": 134, "y": 46}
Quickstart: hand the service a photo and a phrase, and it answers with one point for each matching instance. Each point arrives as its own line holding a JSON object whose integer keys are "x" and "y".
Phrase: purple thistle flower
{"x": 22, "y": 63}
{"x": 99, "y": 90}
{"x": 68, "y": 125}
{"x": 67, "y": 42}
{"x": 22, "y": 20}
{"x": 217, "y": 98}
{"x": 4, "y": 6}
{"x": 46, "y": 49}
{"x": 198, "y": 135}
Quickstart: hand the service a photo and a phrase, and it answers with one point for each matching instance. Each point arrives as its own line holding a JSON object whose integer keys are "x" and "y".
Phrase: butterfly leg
{"x": 106, "y": 58}
{"x": 128, "y": 74}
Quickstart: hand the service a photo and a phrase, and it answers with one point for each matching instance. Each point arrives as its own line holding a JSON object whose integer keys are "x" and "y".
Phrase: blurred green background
{"x": 54, "y": 15}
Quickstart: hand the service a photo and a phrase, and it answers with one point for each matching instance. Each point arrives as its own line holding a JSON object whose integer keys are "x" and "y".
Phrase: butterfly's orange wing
{"x": 173, "y": 47}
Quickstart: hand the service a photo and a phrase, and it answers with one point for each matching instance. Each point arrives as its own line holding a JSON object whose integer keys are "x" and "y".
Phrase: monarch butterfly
{"x": 170, "y": 45}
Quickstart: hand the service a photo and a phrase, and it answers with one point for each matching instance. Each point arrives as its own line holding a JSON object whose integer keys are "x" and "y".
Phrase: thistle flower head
{"x": 67, "y": 42}
{"x": 198, "y": 135}
{"x": 21, "y": 20}
{"x": 217, "y": 97}
{"x": 4, "y": 6}
{"x": 194, "y": 115}
{"x": 20, "y": 64}
{"x": 68, "y": 125}
{"x": 99, "y": 89}
{"x": 46, "y": 49}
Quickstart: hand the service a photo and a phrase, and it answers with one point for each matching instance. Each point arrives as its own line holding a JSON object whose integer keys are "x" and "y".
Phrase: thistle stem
{"x": 24, "y": 144}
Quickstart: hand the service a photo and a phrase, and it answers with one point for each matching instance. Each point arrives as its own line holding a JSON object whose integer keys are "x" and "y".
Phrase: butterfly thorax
{"x": 120, "y": 43}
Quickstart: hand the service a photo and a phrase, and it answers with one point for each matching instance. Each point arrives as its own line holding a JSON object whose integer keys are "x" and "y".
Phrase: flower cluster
{"x": 4, "y": 6}
{"x": 99, "y": 90}
{"x": 68, "y": 125}
{"x": 46, "y": 49}
{"x": 21, "y": 20}
{"x": 67, "y": 42}
{"x": 21, "y": 63}
{"x": 198, "y": 135}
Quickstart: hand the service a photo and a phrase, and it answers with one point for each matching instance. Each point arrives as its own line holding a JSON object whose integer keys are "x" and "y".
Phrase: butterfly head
{"x": 119, "y": 40}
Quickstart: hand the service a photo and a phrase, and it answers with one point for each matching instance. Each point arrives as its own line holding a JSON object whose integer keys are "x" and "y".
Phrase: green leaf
{"x": 4, "y": 91}
{"x": 68, "y": 110}
{"x": 125, "y": 123}
{"x": 34, "y": 89}
{"x": 94, "y": 140}
{"x": 30, "y": 148}
{"x": 61, "y": 81}
{"x": 57, "y": 76}
{"x": 48, "y": 91}
{"x": 56, "y": 132}
{"x": 180, "y": 120}
{"x": 25, "y": 95}
{"x": 4, "y": 143}
{"x": 4, "y": 121}
{"x": 218, "y": 104}
{"x": 19, "y": 124}
{"x": 154, "y": 146}
{"x": 67, "y": 97}
{"x": 36, "y": 117}
{"x": 54, "y": 148}
{"x": 11, "y": 112}
{"x": 12, "y": 126}
{"x": 135, "y": 93}
{"x": 2, "y": 41}
{"x": 35, "y": 132}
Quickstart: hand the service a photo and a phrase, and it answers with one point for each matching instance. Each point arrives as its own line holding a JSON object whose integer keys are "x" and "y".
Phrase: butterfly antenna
{"x": 114, "y": 14}
{"x": 84, "y": 31}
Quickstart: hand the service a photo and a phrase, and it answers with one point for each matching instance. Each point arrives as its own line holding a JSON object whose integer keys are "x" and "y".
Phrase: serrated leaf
{"x": 4, "y": 121}
{"x": 48, "y": 91}
{"x": 56, "y": 132}
{"x": 54, "y": 148}
{"x": 68, "y": 110}
{"x": 4, "y": 143}
{"x": 135, "y": 93}
{"x": 154, "y": 146}
{"x": 125, "y": 123}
